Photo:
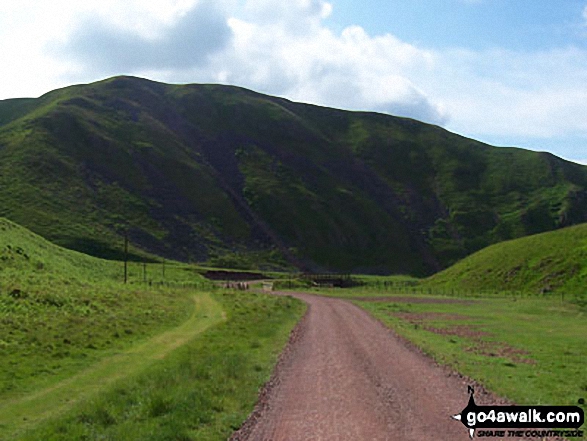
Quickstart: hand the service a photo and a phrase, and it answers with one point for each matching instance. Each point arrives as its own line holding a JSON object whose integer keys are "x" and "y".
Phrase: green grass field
{"x": 84, "y": 356}
{"x": 28, "y": 409}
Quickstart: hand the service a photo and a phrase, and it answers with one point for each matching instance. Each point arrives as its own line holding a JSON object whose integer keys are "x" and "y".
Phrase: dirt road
{"x": 346, "y": 377}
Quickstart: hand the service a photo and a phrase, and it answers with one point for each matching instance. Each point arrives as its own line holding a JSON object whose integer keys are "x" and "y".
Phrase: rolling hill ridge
{"x": 229, "y": 176}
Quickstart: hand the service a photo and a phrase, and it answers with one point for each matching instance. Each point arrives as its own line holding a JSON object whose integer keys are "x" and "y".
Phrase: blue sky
{"x": 506, "y": 72}
{"x": 475, "y": 24}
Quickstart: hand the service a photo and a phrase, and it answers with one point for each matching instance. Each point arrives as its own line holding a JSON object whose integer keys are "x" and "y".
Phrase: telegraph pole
{"x": 125, "y": 256}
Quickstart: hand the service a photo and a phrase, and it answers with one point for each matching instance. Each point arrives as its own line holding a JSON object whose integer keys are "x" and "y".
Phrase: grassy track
{"x": 19, "y": 414}
{"x": 62, "y": 312}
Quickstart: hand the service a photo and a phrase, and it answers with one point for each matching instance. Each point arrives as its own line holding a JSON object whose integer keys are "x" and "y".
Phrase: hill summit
{"x": 229, "y": 176}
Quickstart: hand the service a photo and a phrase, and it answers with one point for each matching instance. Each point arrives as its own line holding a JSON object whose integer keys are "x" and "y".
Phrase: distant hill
{"x": 542, "y": 263}
{"x": 229, "y": 176}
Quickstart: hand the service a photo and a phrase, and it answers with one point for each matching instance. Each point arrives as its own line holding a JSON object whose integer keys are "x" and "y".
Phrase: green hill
{"x": 542, "y": 263}
{"x": 24, "y": 254}
{"x": 226, "y": 175}
{"x": 60, "y": 309}
{"x": 37, "y": 273}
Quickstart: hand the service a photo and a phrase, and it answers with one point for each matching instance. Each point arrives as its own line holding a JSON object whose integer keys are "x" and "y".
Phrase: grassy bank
{"x": 554, "y": 262}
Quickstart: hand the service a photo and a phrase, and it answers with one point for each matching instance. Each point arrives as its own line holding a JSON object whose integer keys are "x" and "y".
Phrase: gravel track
{"x": 345, "y": 376}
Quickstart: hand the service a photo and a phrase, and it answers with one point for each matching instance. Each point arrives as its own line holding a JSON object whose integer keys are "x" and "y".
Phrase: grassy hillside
{"x": 554, "y": 261}
{"x": 60, "y": 310}
{"x": 223, "y": 174}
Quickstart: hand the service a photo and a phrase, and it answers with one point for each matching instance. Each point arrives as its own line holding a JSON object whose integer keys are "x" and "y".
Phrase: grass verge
{"x": 203, "y": 390}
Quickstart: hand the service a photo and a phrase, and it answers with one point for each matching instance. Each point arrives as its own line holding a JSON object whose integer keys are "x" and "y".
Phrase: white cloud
{"x": 279, "y": 48}
{"x": 31, "y": 29}
{"x": 296, "y": 13}
{"x": 100, "y": 44}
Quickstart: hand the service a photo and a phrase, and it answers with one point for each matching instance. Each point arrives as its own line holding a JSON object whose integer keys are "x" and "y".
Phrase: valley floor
{"x": 343, "y": 375}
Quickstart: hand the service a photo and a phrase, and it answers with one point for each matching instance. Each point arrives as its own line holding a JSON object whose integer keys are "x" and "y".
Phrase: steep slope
{"x": 205, "y": 172}
{"x": 553, "y": 261}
